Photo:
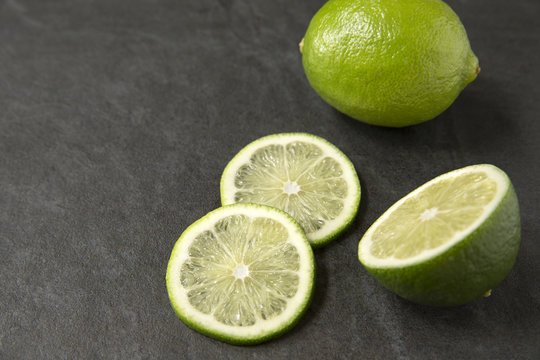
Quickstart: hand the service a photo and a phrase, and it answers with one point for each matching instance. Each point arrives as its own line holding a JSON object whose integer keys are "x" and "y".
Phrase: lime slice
{"x": 449, "y": 241}
{"x": 242, "y": 274}
{"x": 301, "y": 174}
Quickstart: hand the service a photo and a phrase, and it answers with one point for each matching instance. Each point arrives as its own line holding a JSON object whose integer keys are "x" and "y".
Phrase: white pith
{"x": 365, "y": 244}
{"x": 350, "y": 202}
{"x": 178, "y": 293}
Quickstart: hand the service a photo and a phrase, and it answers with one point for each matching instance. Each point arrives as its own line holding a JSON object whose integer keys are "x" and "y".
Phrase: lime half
{"x": 301, "y": 174}
{"x": 449, "y": 241}
{"x": 242, "y": 274}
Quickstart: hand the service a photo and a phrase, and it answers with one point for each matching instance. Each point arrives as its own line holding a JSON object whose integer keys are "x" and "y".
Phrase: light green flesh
{"x": 296, "y": 178}
{"x": 432, "y": 217}
{"x": 238, "y": 275}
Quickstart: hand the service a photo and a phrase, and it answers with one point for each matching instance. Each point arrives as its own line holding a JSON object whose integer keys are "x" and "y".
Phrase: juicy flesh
{"x": 432, "y": 217}
{"x": 241, "y": 270}
{"x": 297, "y": 178}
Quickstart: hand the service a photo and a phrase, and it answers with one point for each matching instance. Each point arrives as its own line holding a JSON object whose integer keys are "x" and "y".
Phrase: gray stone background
{"x": 117, "y": 119}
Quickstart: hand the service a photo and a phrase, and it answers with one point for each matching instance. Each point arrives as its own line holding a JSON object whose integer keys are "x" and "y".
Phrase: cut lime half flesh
{"x": 301, "y": 174}
{"x": 449, "y": 241}
{"x": 242, "y": 274}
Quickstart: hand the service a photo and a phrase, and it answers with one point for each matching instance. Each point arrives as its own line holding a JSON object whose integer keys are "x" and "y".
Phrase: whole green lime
{"x": 388, "y": 62}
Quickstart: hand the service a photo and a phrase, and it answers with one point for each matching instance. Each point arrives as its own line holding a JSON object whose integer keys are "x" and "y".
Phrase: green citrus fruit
{"x": 448, "y": 242}
{"x": 388, "y": 62}
{"x": 242, "y": 274}
{"x": 301, "y": 174}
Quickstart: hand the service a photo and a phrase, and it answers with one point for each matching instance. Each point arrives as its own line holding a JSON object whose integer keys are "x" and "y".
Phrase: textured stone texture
{"x": 117, "y": 119}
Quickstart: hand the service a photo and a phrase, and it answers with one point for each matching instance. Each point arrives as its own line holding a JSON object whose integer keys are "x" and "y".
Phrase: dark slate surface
{"x": 117, "y": 119}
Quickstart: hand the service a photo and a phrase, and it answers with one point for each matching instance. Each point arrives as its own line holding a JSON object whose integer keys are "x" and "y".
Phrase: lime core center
{"x": 291, "y": 187}
{"x": 429, "y": 214}
{"x": 241, "y": 271}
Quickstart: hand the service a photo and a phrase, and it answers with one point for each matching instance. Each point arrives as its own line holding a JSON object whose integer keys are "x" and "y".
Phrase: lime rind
{"x": 332, "y": 228}
{"x": 262, "y": 330}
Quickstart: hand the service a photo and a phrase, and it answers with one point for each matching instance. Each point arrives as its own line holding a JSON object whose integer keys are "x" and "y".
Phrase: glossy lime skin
{"x": 466, "y": 271}
{"x": 388, "y": 62}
